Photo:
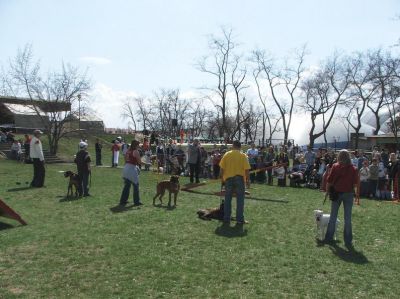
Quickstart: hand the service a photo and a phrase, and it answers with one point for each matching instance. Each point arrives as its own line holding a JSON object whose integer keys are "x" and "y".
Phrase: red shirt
{"x": 130, "y": 158}
{"x": 343, "y": 177}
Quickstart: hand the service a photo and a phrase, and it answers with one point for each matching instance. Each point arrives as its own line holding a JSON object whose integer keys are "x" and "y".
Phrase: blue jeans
{"x": 83, "y": 183}
{"x": 232, "y": 184}
{"x": 347, "y": 199}
{"x": 125, "y": 192}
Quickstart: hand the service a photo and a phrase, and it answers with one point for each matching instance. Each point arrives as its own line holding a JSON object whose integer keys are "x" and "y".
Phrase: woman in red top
{"x": 130, "y": 175}
{"x": 343, "y": 177}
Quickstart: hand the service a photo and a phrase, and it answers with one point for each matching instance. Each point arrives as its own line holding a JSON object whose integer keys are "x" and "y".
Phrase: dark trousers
{"x": 216, "y": 170}
{"x": 270, "y": 177}
{"x": 83, "y": 183}
{"x": 253, "y": 175}
{"x": 38, "y": 173}
{"x": 98, "y": 158}
{"x": 125, "y": 192}
{"x": 194, "y": 171}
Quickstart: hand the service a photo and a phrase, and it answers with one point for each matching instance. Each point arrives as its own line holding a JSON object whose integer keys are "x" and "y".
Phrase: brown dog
{"x": 73, "y": 181}
{"x": 172, "y": 186}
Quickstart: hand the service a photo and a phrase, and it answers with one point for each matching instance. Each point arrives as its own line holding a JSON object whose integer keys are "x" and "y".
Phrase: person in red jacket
{"x": 344, "y": 178}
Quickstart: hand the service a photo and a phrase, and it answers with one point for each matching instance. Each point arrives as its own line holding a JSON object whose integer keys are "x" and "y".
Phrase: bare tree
{"x": 267, "y": 116}
{"x": 238, "y": 75}
{"x": 129, "y": 113}
{"x": 221, "y": 59}
{"x": 53, "y": 96}
{"x": 382, "y": 74}
{"x": 282, "y": 83}
{"x": 360, "y": 92}
{"x": 322, "y": 93}
{"x": 392, "y": 97}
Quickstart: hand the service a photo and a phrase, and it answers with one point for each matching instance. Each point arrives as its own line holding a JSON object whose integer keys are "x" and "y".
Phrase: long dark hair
{"x": 134, "y": 144}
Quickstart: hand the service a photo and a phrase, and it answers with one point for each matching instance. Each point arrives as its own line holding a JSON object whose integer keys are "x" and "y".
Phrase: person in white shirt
{"x": 252, "y": 154}
{"x": 16, "y": 150}
{"x": 36, "y": 154}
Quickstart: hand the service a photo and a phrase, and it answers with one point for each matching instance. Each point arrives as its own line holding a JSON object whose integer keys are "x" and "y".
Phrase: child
{"x": 260, "y": 175}
{"x": 280, "y": 174}
{"x": 364, "y": 176}
{"x": 373, "y": 177}
{"x": 147, "y": 159}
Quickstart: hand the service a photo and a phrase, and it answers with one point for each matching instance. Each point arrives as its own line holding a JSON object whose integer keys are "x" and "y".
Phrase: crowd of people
{"x": 349, "y": 173}
{"x": 287, "y": 166}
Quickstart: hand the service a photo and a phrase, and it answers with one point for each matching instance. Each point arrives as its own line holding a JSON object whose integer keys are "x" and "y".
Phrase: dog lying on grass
{"x": 172, "y": 186}
{"x": 213, "y": 213}
{"x": 322, "y": 221}
{"x": 73, "y": 182}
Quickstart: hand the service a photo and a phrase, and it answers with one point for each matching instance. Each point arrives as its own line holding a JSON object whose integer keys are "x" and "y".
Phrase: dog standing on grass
{"x": 73, "y": 182}
{"x": 322, "y": 221}
{"x": 172, "y": 186}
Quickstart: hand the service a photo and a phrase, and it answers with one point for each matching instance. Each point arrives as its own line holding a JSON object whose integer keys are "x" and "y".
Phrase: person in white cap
{"x": 82, "y": 161}
{"x": 36, "y": 154}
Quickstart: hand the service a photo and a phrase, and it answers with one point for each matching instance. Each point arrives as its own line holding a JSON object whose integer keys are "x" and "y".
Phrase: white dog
{"x": 322, "y": 221}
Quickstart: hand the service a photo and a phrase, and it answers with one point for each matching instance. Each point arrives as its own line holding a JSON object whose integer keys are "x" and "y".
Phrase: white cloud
{"x": 107, "y": 104}
{"x": 95, "y": 60}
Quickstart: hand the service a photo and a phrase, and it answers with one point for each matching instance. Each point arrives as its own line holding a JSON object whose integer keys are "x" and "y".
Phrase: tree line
{"x": 253, "y": 95}
{"x": 342, "y": 86}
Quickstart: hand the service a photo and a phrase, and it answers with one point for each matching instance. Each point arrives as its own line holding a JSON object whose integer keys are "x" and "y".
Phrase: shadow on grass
{"x": 121, "y": 209}
{"x": 68, "y": 198}
{"x": 167, "y": 207}
{"x": 225, "y": 230}
{"x": 5, "y": 226}
{"x": 350, "y": 256}
{"x": 19, "y": 189}
{"x": 247, "y": 197}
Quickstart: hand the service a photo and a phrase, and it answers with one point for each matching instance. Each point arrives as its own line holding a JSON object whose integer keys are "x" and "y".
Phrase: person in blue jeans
{"x": 234, "y": 173}
{"x": 344, "y": 178}
{"x": 130, "y": 175}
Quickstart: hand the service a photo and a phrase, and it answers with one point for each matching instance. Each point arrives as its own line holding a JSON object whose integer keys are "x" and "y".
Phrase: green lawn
{"x": 82, "y": 249}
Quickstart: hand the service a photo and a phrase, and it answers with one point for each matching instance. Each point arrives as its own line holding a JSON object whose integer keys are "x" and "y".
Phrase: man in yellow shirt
{"x": 234, "y": 173}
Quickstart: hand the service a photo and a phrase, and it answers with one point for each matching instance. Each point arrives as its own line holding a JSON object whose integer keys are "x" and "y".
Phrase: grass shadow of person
{"x": 225, "y": 230}
{"x": 121, "y": 208}
{"x": 350, "y": 256}
{"x": 19, "y": 189}
{"x": 68, "y": 198}
{"x": 5, "y": 225}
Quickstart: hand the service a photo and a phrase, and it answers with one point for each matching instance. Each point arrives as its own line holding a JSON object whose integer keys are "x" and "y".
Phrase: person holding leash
{"x": 82, "y": 161}
{"x": 36, "y": 154}
{"x": 235, "y": 173}
{"x": 343, "y": 177}
{"x": 130, "y": 175}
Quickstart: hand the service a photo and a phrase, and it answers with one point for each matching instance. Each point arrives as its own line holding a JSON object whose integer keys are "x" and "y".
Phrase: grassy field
{"x": 87, "y": 248}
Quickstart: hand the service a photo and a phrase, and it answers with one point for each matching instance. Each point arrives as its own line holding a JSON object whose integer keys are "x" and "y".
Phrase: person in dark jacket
{"x": 98, "y": 148}
{"x": 82, "y": 161}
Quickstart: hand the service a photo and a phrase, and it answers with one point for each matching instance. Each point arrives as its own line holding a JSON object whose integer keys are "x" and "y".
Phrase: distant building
{"x": 24, "y": 115}
{"x": 20, "y": 114}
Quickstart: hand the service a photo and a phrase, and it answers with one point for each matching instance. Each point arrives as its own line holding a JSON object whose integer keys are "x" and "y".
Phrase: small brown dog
{"x": 73, "y": 181}
{"x": 172, "y": 186}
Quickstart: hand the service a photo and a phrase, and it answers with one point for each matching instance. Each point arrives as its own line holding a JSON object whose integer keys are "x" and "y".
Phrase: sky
{"x": 136, "y": 47}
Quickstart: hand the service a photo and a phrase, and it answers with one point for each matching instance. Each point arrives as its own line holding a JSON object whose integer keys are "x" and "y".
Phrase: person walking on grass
{"x": 36, "y": 154}
{"x": 344, "y": 178}
{"x": 130, "y": 175}
{"x": 234, "y": 173}
{"x": 82, "y": 161}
